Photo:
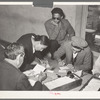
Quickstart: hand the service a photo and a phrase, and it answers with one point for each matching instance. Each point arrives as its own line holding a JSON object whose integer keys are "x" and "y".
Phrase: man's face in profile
{"x": 56, "y": 18}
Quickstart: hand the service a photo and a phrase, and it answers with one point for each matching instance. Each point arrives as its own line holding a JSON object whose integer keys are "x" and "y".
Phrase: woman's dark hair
{"x": 43, "y": 39}
{"x": 59, "y": 11}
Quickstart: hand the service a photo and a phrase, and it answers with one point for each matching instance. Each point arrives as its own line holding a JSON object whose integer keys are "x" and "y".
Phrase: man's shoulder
{"x": 65, "y": 21}
{"x": 27, "y": 35}
{"x": 87, "y": 49}
{"x": 48, "y": 22}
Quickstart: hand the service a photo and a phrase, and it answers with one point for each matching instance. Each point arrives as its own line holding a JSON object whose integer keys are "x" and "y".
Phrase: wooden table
{"x": 85, "y": 78}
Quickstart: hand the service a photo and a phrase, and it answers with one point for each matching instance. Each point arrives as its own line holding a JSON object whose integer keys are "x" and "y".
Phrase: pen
{"x": 40, "y": 61}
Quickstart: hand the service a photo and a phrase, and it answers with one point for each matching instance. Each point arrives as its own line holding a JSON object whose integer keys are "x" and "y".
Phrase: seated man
{"x": 78, "y": 54}
{"x": 58, "y": 29}
{"x": 11, "y": 78}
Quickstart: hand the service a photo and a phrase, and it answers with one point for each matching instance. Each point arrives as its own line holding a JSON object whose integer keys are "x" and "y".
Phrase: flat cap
{"x": 79, "y": 42}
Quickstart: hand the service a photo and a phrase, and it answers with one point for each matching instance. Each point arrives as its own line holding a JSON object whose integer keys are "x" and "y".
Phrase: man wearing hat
{"x": 58, "y": 29}
{"x": 78, "y": 54}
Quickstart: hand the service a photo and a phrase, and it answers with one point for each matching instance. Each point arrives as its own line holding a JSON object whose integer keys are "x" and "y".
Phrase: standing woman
{"x": 32, "y": 43}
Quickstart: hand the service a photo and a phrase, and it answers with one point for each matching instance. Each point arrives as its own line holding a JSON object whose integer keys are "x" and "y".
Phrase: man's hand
{"x": 71, "y": 67}
{"x": 56, "y": 24}
{"x": 61, "y": 63}
{"x": 42, "y": 76}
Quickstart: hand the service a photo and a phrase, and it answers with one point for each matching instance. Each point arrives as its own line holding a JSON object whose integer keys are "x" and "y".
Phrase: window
{"x": 92, "y": 35}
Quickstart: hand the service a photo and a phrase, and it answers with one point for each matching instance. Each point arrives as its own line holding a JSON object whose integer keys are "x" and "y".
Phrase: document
{"x": 36, "y": 70}
{"x": 93, "y": 85}
{"x": 32, "y": 82}
{"x": 79, "y": 73}
{"x": 64, "y": 68}
{"x": 29, "y": 72}
{"x": 58, "y": 82}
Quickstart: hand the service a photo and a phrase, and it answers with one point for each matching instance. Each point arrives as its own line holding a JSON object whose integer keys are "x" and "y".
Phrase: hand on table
{"x": 71, "y": 67}
{"x": 42, "y": 76}
{"x": 61, "y": 63}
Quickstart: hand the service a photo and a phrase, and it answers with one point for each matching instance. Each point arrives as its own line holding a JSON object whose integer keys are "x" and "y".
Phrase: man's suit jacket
{"x": 29, "y": 56}
{"x": 12, "y": 78}
{"x": 83, "y": 59}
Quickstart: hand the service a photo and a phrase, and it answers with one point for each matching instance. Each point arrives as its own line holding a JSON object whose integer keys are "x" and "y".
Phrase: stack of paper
{"x": 58, "y": 82}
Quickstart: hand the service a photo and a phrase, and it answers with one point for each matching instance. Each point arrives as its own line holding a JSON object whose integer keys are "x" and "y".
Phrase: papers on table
{"x": 79, "y": 73}
{"x": 51, "y": 74}
{"x": 29, "y": 72}
{"x": 64, "y": 68}
{"x": 62, "y": 71}
{"x": 32, "y": 82}
{"x": 36, "y": 70}
{"x": 58, "y": 82}
{"x": 93, "y": 85}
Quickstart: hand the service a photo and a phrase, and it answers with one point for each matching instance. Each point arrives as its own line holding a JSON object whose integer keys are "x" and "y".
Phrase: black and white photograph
{"x": 50, "y": 49}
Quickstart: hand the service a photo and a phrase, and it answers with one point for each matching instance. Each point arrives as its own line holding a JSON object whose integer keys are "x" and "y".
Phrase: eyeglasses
{"x": 22, "y": 54}
{"x": 56, "y": 18}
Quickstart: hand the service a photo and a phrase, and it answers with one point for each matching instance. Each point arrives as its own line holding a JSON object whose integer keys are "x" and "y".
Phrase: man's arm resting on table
{"x": 24, "y": 84}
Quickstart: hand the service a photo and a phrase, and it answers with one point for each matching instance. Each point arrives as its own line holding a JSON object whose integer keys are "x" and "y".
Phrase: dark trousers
{"x": 54, "y": 45}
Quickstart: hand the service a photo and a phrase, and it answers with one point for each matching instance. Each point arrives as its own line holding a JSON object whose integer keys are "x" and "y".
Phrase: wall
{"x": 18, "y": 20}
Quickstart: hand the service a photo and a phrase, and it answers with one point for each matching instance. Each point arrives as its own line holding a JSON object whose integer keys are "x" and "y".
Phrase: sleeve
{"x": 86, "y": 66}
{"x": 60, "y": 52}
{"x": 70, "y": 30}
{"x": 24, "y": 84}
{"x": 52, "y": 30}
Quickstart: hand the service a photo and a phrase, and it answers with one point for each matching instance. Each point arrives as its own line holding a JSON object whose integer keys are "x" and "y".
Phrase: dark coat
{"x": 12, "y": 78}
{"x": 29, "y": 56}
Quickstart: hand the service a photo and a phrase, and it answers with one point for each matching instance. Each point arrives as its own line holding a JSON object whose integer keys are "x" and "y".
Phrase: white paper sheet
{"x": 93, "y": 85}
{"x": 58, "y": 82}
{"x": 79, "y": 73}
{"x": 97, "y": 36}
{"x": 62, "y": 71}
{"x": 64, "y": 68}
{"x": 32, "y": 82}
{"x": 38, "y": 68}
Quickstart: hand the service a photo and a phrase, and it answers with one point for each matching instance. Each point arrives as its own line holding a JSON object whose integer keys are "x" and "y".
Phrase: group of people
{"x": 61, "y": 42}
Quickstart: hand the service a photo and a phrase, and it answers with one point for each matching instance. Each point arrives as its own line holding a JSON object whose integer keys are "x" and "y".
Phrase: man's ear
{"x": 17, "y": 59}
